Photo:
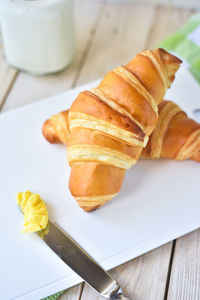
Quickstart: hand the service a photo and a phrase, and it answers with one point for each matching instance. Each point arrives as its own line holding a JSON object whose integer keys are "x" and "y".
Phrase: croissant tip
{"x": 48, "y": 132}
{"x": 169, "y": 57}
{"x": 89, "y": 208}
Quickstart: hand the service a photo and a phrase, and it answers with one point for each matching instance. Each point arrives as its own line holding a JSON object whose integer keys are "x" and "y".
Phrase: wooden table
{"x": 109, "y": 34}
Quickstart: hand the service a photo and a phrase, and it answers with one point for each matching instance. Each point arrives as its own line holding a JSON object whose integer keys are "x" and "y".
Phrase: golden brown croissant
{"x": 110, "y": 125}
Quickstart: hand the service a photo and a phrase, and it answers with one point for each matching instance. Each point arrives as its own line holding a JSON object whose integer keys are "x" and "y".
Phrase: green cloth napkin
{"x": 54, "y": 297}
{"x": 186, "y": 44}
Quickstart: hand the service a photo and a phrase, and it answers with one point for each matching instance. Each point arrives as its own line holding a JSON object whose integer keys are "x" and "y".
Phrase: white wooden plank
{"x": 7, "y": 77}
{"x": 141, "y": 279}
{"x": 29, "y": 88}
{"x": 185, "y": 275}
{"x": 167, "y": 20}
{"x": 191, "y": 4}
{"x": 121, "y": 33}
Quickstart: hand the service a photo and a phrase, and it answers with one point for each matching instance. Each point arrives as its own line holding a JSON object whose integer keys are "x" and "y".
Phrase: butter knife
{"x": 82, "y": 263}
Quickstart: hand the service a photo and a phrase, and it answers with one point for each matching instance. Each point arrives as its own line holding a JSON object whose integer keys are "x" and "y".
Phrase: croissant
{"x": 110, "y": 125}
{"x": 175, "y": 136}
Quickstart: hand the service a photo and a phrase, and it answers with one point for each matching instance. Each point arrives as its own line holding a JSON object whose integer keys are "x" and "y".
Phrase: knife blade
{"x": 82, "y": 263}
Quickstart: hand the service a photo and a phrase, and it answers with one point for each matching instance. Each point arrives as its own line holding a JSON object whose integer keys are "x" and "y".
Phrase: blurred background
{"x": 107, "y": 33}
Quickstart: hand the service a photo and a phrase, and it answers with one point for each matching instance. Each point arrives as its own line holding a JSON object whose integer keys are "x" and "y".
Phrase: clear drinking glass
{"x": 38, "y": 35}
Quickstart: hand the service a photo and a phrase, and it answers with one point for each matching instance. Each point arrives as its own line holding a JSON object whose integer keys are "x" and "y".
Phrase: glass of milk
{"x": 38, "y": 35}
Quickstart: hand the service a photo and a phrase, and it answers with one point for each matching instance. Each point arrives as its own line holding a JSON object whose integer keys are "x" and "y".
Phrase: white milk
{"x": 38, "y": 35}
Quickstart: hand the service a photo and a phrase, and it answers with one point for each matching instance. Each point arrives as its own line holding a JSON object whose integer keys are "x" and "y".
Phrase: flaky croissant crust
{"x": 109, "y": 125}
{"x": 175, "y": 137}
